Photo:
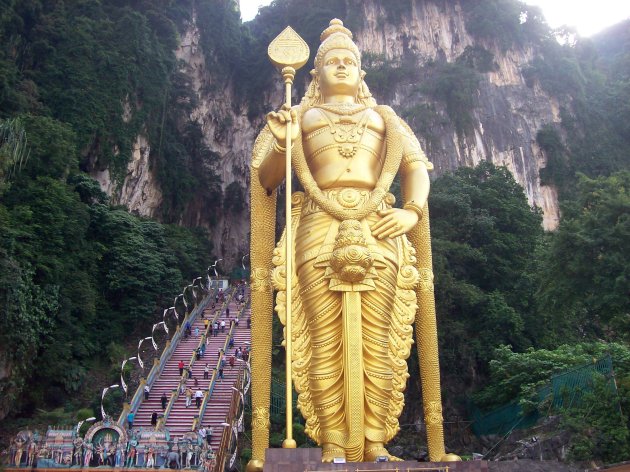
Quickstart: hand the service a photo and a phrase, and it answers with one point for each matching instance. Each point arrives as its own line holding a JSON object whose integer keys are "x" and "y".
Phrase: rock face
{"x": 140, "y": 191}
{"x": 506, "y": 116}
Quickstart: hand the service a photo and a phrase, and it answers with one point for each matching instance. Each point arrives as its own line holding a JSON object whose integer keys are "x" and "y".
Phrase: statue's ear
{"x": 363, "y": 74}
{"x": 314, "y": 73}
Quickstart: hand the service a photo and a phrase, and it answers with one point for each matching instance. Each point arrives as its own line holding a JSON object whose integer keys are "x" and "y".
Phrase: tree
{"x": 485, "y": 236}
{"x": 585, "y": 277}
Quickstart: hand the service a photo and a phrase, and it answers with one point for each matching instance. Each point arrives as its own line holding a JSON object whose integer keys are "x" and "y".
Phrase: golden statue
{"x": 361, "y": 271}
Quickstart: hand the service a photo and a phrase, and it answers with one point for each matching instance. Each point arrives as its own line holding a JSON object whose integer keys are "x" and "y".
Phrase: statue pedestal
{"x": 309, "y": 460}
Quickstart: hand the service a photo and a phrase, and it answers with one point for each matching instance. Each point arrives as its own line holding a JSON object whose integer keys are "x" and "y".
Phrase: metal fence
{"x": 563, "y": 391}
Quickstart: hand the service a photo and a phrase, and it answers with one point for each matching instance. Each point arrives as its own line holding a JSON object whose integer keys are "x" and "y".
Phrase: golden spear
{"x": 288, "y": 52}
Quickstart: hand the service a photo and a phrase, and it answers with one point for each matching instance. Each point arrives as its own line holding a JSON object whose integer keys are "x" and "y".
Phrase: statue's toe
{"x": 332, "y": 451}
{"x": 374, "y": 451}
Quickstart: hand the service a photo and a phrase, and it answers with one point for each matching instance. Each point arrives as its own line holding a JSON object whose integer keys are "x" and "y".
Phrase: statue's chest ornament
{"x": 347, "y": 130}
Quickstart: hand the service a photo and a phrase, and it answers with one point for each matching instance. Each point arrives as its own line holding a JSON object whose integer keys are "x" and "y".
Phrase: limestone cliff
{"x": 506, "y": 115}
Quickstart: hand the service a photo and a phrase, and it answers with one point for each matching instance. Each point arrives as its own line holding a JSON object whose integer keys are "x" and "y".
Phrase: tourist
{"x": 206, "y": 371}
{"x": 223, "y": 326}
{"x": 198, "y": 397}
{"x": 130, "y": 417}
{"x": 221, "y": 367}
{"x": 154, "y": 418}
{"x": 209, "y": 435}
{"x": 164, "y": 400}
{"x": 189, "y": 395}
{"x": 146, "y": 392}
{"x": 215, "y": 329}
{"x": 181, "y": 368}
{"x": 232, "y": 361}
{"x": 202, "y": 433}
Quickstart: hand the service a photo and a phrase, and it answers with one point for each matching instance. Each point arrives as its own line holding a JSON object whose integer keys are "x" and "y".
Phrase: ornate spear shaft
{"x": 288, "y": 52}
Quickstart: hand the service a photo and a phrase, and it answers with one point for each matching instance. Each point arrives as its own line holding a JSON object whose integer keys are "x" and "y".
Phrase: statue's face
{"x": 339, "y": 73}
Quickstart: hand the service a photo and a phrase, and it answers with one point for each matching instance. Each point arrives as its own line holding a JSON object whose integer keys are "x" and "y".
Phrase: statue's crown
{"x": 335, "y": 26}
{"x": 336, "y": 36}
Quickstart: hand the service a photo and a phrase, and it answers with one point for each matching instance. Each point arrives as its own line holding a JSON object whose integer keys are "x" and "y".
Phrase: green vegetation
{"x": 77, "y": 273}
{"x": 78, "y": 82}
{"x": 556, "y": 171}
{"x": 585, "y": 279}
{"x": 384, "y": 75}
{"x": 507, "y": 22}
{"x": 484, "y": 236}
{"x": 597, "y": 423}
{"x": 455, "y": 84}
{"x": 590, "y": 78}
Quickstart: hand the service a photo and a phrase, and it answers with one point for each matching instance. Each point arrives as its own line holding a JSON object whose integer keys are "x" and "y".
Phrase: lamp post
{"x": 122, "y": 371}
{"x": 161, "y": 323}
{"x": 248, "y": 375}
{"x": 216, "y": 274}
{"x": 234, "y": 433}
{"x": 139, "y": 345}
{"x": 194, "y": 296}
{"x": 103, "y": 414}
{"x": 199, "y": 283}
{"x": 80, "y": 423}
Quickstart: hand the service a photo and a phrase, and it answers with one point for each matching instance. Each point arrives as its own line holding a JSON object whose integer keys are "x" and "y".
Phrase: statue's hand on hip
{"x": 277, "y": 122}
{"x": 394, "y": 222}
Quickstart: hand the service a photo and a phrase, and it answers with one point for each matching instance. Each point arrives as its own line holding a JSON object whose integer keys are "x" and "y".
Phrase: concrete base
{"x": 310, "y": 460}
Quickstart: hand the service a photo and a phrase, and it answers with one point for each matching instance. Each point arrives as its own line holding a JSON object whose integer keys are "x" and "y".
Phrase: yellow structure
{"x": 361, "y": 270}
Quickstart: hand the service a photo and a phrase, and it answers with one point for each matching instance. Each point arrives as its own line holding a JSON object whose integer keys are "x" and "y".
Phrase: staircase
{"x": 180, "y": 419}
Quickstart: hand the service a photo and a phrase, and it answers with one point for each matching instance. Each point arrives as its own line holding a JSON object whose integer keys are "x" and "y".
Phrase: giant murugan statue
{"x": 361, "y": 266}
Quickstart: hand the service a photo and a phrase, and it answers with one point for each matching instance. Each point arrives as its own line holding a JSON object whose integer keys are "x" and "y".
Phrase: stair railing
{"x": 229, "y": 426}
{"x": 158, "y": 364}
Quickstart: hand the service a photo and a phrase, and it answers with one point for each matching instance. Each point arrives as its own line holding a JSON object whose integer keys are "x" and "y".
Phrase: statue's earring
{"x": 363, "y": 73}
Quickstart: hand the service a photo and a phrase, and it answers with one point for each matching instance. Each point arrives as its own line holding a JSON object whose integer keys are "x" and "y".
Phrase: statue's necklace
{"x": 342, "y": 108}
{"x": 347, "y": 132}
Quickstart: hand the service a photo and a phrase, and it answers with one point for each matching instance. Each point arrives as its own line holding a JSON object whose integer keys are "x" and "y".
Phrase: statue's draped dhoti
{"x": 350, "y": 338}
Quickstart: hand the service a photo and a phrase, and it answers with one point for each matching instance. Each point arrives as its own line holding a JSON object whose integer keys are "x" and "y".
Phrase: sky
{"x": 588, "y": 16}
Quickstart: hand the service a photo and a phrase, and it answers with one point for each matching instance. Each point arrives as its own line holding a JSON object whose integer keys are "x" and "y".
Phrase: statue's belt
{"x": 348, "y": 197}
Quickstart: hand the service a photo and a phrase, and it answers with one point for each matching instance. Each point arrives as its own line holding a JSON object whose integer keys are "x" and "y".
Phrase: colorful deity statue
{"x": 88, "y": 452}
{"x": 131, "y": 456}
{"x": 77, "y": 454}
{"x": 32, "y": 452}
{"x": 20, "y": 444}
{"x": 150, "y": 457}
{"x": 120, "y": 455}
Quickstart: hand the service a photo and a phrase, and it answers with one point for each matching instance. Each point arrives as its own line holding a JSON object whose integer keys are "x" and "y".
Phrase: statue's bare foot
{"x": 331, "y": 451}
{"x": 375, "y": 450}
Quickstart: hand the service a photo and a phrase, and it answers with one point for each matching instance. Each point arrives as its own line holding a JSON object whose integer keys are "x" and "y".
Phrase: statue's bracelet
{"x": 413, "y": 206}
{"x": 279, "y": 149}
